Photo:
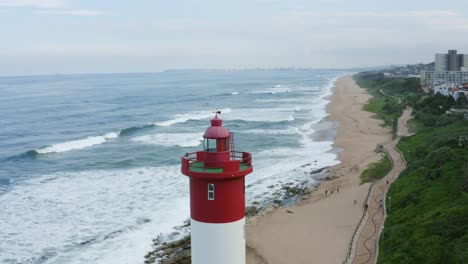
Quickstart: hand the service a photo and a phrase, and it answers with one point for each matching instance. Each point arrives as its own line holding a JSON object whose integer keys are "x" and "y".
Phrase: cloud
{"x": 33, "y": 3}
{"x": 46, "y": 6}
{"x": 73, "y": 12}
{"x": 433, "y": 13}
{"x": 409, "y": 14}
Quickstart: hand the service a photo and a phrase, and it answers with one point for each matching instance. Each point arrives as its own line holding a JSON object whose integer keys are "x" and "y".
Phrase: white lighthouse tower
{"x": 217, "y": 197}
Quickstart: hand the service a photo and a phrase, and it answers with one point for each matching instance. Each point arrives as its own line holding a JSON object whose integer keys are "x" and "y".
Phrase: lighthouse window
{"x": 211, "y": 191}
{"x": 210, "y": 144}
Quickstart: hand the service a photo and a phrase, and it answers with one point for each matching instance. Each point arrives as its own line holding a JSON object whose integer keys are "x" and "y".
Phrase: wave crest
{"x": 195, "y": 115}
{"x": 77, "y": 144}
{"x": 172, "y": 139}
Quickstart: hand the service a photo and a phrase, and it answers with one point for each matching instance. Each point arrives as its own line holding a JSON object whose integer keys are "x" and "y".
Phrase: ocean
{"x": 90, "y": 164}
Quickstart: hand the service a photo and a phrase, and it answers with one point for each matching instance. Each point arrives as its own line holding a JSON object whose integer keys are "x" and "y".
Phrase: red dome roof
{"x": 216, "y": 130}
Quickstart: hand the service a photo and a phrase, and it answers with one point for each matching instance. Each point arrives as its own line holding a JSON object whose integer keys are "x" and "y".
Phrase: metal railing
{"x": 199, "y": 160}
{"x": 355, "y": 239}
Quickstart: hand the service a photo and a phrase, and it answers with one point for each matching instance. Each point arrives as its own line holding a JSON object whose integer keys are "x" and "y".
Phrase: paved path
{"x": 366, "y": 248}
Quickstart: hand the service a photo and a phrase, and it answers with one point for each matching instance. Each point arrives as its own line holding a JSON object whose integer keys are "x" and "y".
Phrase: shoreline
{"x": 320, "y": 226}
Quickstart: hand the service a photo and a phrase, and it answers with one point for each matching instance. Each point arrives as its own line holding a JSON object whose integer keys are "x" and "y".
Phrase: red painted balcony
{"x": 217, "y": 165}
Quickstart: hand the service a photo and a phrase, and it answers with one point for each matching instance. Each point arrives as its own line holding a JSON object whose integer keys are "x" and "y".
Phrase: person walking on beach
{"x": 380, "y": 203}
{"x": 326, "y": 192}
{"x": 338, "y": 189}
{"x": 366, "y": 206}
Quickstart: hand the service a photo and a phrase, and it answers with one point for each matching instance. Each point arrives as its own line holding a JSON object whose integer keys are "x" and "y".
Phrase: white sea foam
{"x": 91, "y": 216}
{"x": 172, "y": 139}
{"x": 287, "y": 131}
{"x": 262, "y": 114}
{"x": 307, "y": 88}
{"x": 195, "y": 115}
{"x": 283, "y": 100}
{"x": 78, "y": 144}
{"x": 274, "y": 90}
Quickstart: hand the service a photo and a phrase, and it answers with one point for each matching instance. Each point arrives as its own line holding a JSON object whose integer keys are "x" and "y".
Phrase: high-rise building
{"x": 441, "y": 62}
{"x": 453, "y": 60}
{"x": 449, "y": 68}
{"x": 450, "y": 61}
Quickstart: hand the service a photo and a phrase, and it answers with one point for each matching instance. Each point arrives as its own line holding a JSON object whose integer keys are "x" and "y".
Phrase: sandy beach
{"x": 319, "y": 229}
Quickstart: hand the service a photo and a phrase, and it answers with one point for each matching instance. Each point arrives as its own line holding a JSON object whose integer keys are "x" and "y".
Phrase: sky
{"x": 108, "y": 36}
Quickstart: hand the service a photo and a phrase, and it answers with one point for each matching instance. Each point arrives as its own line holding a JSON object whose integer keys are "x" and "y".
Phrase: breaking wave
{"x": 171, "y": 139}
{"x": 77, "y": 144}
{"x": 195, "y": 115}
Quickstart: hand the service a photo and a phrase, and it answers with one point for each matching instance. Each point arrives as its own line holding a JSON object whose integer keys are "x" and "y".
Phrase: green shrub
{"x": 439, "y": 157}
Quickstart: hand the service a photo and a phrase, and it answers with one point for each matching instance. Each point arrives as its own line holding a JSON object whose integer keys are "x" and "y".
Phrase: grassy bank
{"x": 376, "y": 170}
{"x": 428, "y": 205}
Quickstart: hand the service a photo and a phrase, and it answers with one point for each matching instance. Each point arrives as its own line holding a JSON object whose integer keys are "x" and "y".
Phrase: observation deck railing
{"x": 216, "y": 162}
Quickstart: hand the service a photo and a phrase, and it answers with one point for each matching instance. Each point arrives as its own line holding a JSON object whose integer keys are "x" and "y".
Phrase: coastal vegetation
{"x": 376, "y": 170}
{"x": 390, "y": 96}
{"x": 427, "y": 206}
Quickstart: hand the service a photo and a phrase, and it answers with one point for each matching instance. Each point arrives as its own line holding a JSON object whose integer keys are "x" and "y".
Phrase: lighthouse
{"x": 217, "y": 197}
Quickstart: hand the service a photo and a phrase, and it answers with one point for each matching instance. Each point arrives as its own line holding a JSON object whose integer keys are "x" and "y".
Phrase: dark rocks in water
{"x": 87, "y": 242}
{"x": 113, "y": 234}
{"x": 185, "y": 225}
{"x": 318, "y": 170}
{"x": 176, "y": 252}
{"x": 276, "y": 201}
{"x": 143, "y": 221}
{"x": 251, "y": 211}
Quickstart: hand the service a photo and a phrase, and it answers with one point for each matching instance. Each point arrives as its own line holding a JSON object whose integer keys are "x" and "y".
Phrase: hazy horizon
{"x": 44, "y": 37}
{"x": 201, "y": 69}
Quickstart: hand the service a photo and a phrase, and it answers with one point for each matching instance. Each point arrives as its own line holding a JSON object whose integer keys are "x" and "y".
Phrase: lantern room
{"x": 218, "y": 158}
{"x": 216, "y": 137}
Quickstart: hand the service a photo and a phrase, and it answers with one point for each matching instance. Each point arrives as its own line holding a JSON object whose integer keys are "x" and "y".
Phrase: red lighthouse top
{"x": 217, "y": 177}
{"x": 216, "y": 130}
{"x": 218, "y": 160}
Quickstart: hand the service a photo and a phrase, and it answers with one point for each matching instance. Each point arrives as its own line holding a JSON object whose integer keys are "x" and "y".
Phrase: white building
{"x": 444, "y": 89}
{"x": 443, "y": 77}
{"x": 453, "y": 90}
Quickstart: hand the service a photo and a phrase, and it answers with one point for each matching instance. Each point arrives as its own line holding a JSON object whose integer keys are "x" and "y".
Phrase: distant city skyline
{"x": 71, "y": 36}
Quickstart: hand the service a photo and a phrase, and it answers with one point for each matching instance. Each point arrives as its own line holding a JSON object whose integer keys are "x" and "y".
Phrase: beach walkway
{"x": 366, "y": 249}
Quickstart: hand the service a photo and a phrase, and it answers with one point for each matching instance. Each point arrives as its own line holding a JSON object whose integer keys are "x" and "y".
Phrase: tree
{"x": 462, "y": 102}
